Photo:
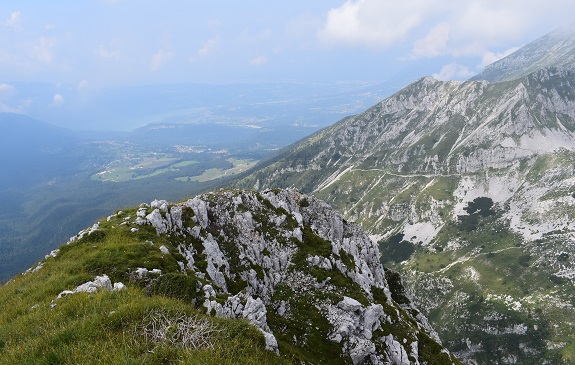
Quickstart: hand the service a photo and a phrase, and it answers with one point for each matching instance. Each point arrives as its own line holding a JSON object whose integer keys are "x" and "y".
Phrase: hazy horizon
{"x": 75, "y": 54}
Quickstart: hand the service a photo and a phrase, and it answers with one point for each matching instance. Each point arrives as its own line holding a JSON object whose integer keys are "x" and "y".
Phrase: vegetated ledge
{"x": 309, "y": 281}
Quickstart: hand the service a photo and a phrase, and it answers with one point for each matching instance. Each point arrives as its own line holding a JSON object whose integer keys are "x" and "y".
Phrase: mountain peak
{"x": 556, "y": 49}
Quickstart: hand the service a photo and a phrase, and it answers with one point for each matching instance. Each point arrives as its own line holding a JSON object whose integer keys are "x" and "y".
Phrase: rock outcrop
{"x": 99, "y": 283}
{"x": 304, "y": 276}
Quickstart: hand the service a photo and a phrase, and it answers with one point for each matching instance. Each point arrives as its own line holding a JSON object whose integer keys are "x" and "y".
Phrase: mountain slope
{"x": 32, "y": 151}
{"x": 435, "y": 128}
{"x": 310, "y": 282}
{"x": 468, "y": 188}
{"x": 556, "y": 49}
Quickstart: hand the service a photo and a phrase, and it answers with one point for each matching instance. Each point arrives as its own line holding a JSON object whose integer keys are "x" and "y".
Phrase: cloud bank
{"x": 370, "y": 23}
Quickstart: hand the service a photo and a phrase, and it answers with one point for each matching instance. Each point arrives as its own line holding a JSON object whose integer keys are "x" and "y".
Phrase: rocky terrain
{"x": 308, "y": 280}
{"x": 468, "y": 187}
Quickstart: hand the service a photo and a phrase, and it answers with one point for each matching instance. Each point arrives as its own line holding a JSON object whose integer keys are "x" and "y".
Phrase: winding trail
{"x": 468, "y": 258}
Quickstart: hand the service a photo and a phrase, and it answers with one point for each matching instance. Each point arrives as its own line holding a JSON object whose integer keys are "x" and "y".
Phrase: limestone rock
{"x": 283, "y": 254}
{"x": 99, "y": 283}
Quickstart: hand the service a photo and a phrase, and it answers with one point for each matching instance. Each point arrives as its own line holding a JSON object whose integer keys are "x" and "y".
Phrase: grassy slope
{"x": 105, "y": 327}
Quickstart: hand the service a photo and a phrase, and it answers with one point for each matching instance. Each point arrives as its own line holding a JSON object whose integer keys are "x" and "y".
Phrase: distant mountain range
{"x": 124, "y": 108}
{"x": 469, "y": 189}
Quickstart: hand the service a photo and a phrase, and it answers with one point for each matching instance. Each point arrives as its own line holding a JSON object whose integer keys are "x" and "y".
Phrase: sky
{"x": 102, "y": 42}
{"x": 77, "y": 47}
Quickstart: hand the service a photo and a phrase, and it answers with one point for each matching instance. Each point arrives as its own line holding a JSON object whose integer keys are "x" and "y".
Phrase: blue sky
{"x": 94, "y": 43}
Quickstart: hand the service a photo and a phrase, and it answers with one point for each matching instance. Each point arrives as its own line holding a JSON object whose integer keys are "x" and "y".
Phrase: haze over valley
{"x": 57, "y": 180}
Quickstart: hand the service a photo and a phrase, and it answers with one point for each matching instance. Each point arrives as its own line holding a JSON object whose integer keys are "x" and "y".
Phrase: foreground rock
{"x": 309, "y": 280}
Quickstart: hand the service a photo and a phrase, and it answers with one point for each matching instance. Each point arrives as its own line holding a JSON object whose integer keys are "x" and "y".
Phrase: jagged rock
{"x": 119, "y": 286}
{"x": 87, "y": 231}
{"x": 100, "y": 283}
{"x": 176, "y": 216}
{"x": 395, "y": 351}
{"x": 160, "y": 204}
{"x": 158, "y": 222}
{"x": 52, "y": 253}
{"x": 200, "y": 211}
{"x": 242, "y": 306}
{"x": 354, "y": 325}
{"x": 279, "y": 253}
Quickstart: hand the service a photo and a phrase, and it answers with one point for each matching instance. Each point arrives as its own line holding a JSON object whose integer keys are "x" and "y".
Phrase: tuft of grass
{"x": 176, "y": 285}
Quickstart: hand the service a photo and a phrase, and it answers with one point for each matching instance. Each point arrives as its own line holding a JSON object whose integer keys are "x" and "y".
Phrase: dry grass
{"x": 178, "y": 329}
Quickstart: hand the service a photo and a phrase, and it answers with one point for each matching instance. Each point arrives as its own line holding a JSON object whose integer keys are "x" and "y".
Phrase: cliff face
{"x": 442, "y": 137}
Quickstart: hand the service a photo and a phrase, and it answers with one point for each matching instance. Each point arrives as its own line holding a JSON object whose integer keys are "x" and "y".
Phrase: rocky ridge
{"x": 310, "y": 281}
{"x": 436, "y": 127}
{"x": 252, "y": 244}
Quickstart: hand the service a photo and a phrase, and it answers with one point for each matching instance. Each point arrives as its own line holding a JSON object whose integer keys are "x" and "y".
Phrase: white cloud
{"x": 434, "y": 43}
{"x": 371, "y": 23}
{"x": 6, "y": 87}
{"x": 104, "y": 53}
{"x": 453, "y": 71}
{"x": 43, "y": 50}
{"x": 14, "y": 20}
{"x": 159, "y": 58}
{"x": 260, "y": 60}
{"x": 492, "y": 20}
{"x": 490, "y": 57}
{"x": 82, "y": 85}
{"x": 8, "y": 109}
{"x": 477, "y": 26}
{"x": 4, "y": 94}
{"x": 434, "y": 28}
{"x": 57, "y": 100}
{"x": 208, "y": 47}
{"x": 22, "y": 107}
